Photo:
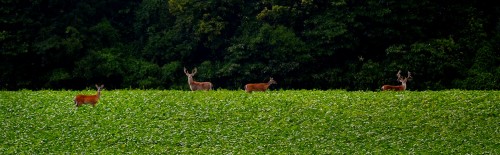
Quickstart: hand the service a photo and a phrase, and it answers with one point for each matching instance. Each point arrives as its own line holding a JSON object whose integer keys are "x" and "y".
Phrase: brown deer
{"x": 88, "y": 99}
{"x": 194, "y": 85}
{"x": 401, "y": 79}
{"x": 259, "y": 86}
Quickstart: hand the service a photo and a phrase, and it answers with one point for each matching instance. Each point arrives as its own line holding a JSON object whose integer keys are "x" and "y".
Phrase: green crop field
{"x": 234, "y": 122}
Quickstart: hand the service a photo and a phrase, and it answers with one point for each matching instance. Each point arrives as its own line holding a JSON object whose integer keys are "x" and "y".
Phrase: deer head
{"x": 403, "y": 79}
{"x": 188, "y": 74}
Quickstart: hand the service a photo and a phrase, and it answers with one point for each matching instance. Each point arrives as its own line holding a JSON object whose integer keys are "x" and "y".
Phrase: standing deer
{"x": 401, "y": 79}
{"x": 88, "y": 99}
{"x": 259, "y": 86}
{"x": 194, "y": 85}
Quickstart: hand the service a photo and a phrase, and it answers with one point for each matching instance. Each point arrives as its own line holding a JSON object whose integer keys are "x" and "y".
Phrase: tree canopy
{"x": 303, "y": 44}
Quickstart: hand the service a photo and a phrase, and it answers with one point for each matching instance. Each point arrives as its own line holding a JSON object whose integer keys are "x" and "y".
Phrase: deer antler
{"x": 403, "y": 79}
{"x": 194, "y": 71}
{"x": 399, "y": 75}
{"x": 185, "y": 71}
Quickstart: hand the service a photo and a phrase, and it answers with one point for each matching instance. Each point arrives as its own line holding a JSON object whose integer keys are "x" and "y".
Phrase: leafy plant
{"x": 234, "y": 122}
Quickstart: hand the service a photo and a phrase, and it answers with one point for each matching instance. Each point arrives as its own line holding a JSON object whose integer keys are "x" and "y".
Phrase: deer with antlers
{"x": 195, "y": 85}
{"x": 401, "y": 79}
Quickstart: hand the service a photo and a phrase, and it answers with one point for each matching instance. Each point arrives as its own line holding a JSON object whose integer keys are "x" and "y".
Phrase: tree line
{"x": 303, "y": 44}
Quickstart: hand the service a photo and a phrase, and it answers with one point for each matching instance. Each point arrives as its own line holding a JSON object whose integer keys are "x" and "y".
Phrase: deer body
{"x": 195, "y": 85}
{"x": 259, "y": 86}
{"x": 88, "y": 99}
{"x": 395, "y": 88}
{"x": 401, "y": 79}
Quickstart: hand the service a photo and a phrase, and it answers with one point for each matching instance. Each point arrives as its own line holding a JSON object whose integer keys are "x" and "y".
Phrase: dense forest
{"x": 302, "y": 44}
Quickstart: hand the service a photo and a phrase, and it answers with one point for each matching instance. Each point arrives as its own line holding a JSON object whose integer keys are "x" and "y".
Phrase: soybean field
{"x": 235, "y": 122}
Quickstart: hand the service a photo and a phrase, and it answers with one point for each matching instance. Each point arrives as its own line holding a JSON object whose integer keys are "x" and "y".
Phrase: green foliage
{"x": 484, "y": 72}
{"x": 307, "y": 44}
{"x": 73, "y": 41}
{"x": 368, "y": 76}
{"x": 235, "y": 122}
{"x": 171, "y": 75}
{"x": 104, "y": 63}
{"x": 104, "y": 34}
{"x": 433, "y": 63}
{"x": 143, "y": 74}
{"x": 274, "y": 44}
{"x": 210, "y": 26}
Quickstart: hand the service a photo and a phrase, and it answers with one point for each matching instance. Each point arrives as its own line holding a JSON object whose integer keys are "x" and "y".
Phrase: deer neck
{"x": 98, "y": 93}
{"x": 403, "y": 84}
{"x": 190, "y": 80}
{"x": 268, "y": 84}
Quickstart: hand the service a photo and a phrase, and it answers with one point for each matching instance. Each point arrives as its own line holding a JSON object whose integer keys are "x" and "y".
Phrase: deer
{"x": 195, "y": 85}
{"x": 89, "y": 99}
{"x": 401, "y": 79}
{"x": 259, "y": 86}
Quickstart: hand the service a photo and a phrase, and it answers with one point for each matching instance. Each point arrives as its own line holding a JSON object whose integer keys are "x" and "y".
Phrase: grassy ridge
{"x": 223, "y": 122}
